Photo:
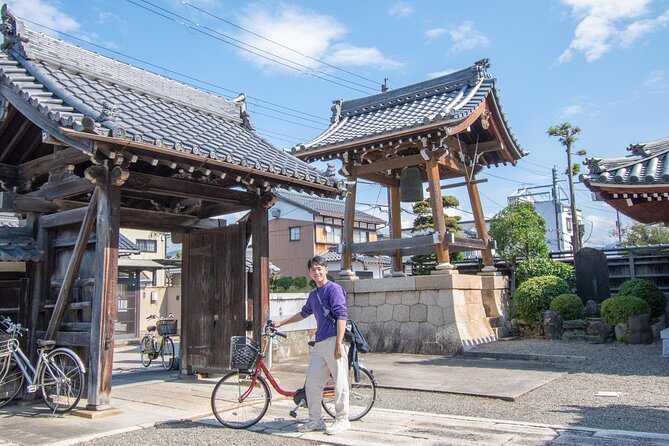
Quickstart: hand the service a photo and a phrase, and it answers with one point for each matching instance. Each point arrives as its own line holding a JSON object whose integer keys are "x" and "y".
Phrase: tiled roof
{"x": 647, "y": 164}
{"x": 325, "y": 207}
{"x": 126, "y": 246}
{"x": 17, "y": 246}
{"x": 72, "y": 87}
{"x": 444, "y": 100}
{"x": 332, "y": 256}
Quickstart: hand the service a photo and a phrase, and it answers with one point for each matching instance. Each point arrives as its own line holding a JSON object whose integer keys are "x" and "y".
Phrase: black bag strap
{"x": 326, "y": 313}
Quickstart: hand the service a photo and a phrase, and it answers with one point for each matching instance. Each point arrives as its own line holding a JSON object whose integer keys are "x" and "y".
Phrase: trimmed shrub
{"x": 616, "y": 310}
{"x": 534, "y": 296}
{"x": 569, "y": 305}
{"x": 543, "y": 266}
{"x": 283, "y": 283}
{"x": 300, "y": 282}
{"x": 647, "y": 291}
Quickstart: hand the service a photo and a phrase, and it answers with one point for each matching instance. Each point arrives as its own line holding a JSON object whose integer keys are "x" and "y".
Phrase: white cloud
{"x": 467, "y": 37}
{"x": 344, "y": 54}
{"x": 598, "y": 229}
{"x": 45, "y": 13}
{"x": 311, "y": 36}
{"x": 607, "y": 24}
{"x": 571, "y": 110}
{"x": 401, "y": 9}
{"x": 435, "y": 74}
{"x": 435, "y": 33}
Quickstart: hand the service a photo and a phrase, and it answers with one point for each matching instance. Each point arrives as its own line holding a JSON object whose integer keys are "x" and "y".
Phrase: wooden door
{"x": 214, "y": 301}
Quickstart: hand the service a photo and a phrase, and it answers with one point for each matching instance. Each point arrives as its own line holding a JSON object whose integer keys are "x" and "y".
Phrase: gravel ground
{"x": 638, "y": 372}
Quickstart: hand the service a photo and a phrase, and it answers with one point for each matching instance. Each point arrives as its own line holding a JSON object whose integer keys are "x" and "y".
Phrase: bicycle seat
{"x": 45, "y": 343}
{"x": 151, "y": 328}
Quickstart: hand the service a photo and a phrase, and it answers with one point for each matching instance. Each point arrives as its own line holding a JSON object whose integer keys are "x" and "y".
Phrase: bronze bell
{"x": 411, "y": 185}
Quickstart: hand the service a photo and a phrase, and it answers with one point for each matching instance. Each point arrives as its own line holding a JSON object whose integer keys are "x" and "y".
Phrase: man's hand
{"x": 339, "y": 350}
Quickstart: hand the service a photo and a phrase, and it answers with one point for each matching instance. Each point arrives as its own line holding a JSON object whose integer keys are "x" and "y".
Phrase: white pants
{"x": 321, "y": 365}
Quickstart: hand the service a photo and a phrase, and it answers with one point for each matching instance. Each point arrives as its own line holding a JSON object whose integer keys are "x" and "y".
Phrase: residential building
{"x": 302, "y": 226}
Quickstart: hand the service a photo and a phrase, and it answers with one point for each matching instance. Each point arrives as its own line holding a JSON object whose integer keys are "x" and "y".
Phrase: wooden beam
{"x": 73, "y": 267}
{"x": 70, "y": 339}
{"x": 63, "y": 218}
{"x": 479, "y": 221}
{"x": 381, "y": 179}
{"x": 164, "y": 221}
{"x": 9, "y": 175}
{"x": 396, "y": 225}
{"x": 485, "y": 147}
{"x": 463, "y": 183}
{"x": 260, "y": 277}
{"x": 453, "y": 165}
{"x": 391, "y": 245}
{"x": 68, "y": 188}
{"x": 16, "y": 137}
{"x": 468, "y": 121}
{"x": 433, "y": 180}
{"x": 41, "y": 166}
{"x": 151, "y": 184}
{"x": 103, "y": 313}
{"x": 396, "y": 162}
{"x": 40, "y": 205}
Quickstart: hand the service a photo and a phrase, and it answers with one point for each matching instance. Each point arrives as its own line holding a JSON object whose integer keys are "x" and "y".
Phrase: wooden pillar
{"x": 103, "y": 312}
{"x": 434, "y": 183}
{"x": 260, "y": 278}
{"x": 40, "y": 285}
{"x": 479, "y": 221}
{"x": 184, "y": 365}
{"x": 396, "y": 227}
{"x": 347, "y": 235}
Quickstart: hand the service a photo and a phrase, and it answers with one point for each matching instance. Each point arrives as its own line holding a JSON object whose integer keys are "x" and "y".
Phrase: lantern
{"x": 411, "y": 184}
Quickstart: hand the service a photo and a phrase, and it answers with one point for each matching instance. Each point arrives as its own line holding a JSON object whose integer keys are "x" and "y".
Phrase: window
{"x": 360, "y": 236}
{"x": 569, "y": 224}
{"x": 294, "y": 233}
{"x": 147, "y": 245}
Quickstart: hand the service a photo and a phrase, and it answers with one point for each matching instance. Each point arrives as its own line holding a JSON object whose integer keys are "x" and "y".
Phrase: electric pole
{"x": 556, "y": 202}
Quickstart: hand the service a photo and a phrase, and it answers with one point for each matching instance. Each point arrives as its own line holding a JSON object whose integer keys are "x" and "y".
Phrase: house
{"x": 636, "y": 185}
{"x": 302, "y": 226}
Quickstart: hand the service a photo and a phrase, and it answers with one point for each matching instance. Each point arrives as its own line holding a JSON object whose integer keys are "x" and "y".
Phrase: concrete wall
{"x": 160, "y": 301}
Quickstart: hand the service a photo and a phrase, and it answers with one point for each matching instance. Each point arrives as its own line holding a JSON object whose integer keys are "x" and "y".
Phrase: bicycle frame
{"x": 30, "y": 373}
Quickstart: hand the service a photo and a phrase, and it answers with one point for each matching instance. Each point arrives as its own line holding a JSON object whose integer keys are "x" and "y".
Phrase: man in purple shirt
{"x": 330, "y": 354}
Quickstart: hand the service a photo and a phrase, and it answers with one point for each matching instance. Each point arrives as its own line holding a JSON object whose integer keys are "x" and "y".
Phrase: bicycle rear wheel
{"x": 11, "y": 380}
{"x": 361, "y": 394}
{"x": 62, "y": 381}
{"x": 168, "y": 353}
{"x": 145, "y": 351}
{"x": 238, "y": 405}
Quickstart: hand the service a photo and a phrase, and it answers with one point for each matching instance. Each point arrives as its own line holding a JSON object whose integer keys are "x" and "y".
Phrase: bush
{"x": 283, "y": 283}
{"x": 543, "y": 266}
{"x": 300, "y": 282}
{"x": 569, "y": 305}
{"x": 616, "y": 310}
{"x": 647, "y": 291}
{"x": 534, "y": 296}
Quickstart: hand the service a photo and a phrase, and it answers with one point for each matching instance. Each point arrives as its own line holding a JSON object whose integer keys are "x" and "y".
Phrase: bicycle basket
{"x": 244, "y": 354}
{"x": 5, "y": 345}
{"x": 167, "y": 327}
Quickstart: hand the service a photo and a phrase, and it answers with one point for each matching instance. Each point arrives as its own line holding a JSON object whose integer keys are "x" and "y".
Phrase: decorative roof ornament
{"x": 12, "y": 29}
{"x": 336, "y": 111}
{"x": 594, "y": 164}
{"x": 240, "y": 101}
{"x": 638, "y": 149}
{"x": 110, "y": 112}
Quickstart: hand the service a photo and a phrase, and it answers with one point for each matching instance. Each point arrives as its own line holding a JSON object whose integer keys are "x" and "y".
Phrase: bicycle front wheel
{"x": 361, "y": 394}
{"x": 146, "y": 351}
{"x": 11, "y": 380}
{"x": 238, "y": 402}
{"x": 168, "y": 353}
{"x": 62, "y": 381}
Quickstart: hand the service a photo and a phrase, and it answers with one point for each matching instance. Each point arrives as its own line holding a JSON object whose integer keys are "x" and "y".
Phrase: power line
{"x": 242, "y": 46}
{"x": 279, "y": 44}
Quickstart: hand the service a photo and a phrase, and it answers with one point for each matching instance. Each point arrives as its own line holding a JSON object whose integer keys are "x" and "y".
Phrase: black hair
{"x": 316, "y": 261}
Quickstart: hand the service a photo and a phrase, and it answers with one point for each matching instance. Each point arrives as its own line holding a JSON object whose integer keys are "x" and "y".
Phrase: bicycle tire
{"x": 11, "y": 381}
{"x": 145, "y": 351}
{"x": 62, "y": 381}
{"x": 167, "y": 353}
{"x": 227, "y": 408}
{"x": 361, "y": 396}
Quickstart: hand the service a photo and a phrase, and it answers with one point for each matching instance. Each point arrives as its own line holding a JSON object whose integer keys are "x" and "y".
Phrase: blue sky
{"x": 599, "y": 64}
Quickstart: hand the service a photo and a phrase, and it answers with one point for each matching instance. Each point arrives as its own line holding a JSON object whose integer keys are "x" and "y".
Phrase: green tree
{"x": 519, "y": 232}
{"x": 424, "y": 220}
{"x": 566, "y": 134}
{"x": 642, "y": 234}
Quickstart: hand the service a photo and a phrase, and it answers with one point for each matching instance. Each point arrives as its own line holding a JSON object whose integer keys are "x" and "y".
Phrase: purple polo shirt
{"x": 333, "y": 297}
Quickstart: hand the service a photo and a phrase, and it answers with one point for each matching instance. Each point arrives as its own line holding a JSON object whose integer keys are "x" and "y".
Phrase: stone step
{"x": 501, "y": 332}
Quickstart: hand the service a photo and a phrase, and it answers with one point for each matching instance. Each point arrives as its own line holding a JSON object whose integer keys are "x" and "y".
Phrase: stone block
{"x": 369, "y": 314}
{"x": 473, "y": 296}
{"x": 394, "y": 298}
{"x": 391, "y": 326}
{"x": 387, "y": 284}
{"x": 355, "y": 313}
{"x": 664, "y": 334}
{"x": 410, "y": 298}
{"x": 361, "y": 299}
{"x": 434, "y": 282}
{"x": 426, "y": 331}
{"x": 467, "y": 282}
{"x": 409, "y": 330}
{"x": 575, "y": 324}
{"x": 435, "y": 315}
{"x": 376, "y": 299}
{"x": 494, "y": 282}
{"x": 347, "y": 285}
{"x": 449, "y": 316}
{"x": 384, "y": 313}
{"x": 418, "y": 313}
{"x": 401, "y": 313}
{"x": 429, "y": 297}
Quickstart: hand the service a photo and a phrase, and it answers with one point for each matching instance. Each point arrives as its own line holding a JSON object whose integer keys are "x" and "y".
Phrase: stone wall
{"x": 439, "y": 314}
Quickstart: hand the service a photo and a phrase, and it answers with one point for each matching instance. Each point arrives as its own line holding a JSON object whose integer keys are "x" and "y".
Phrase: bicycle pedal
{"x": 293, "y": 413}
{"x": 32, "y": 389}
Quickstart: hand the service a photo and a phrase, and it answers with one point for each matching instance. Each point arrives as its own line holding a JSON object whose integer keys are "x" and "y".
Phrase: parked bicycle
{"x": 152, "y": 346}
{"x": 59, "y": 372}
{"x": 241, "y": 398}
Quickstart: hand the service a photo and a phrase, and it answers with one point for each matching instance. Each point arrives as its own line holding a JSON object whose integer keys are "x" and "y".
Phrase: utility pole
{"x": 556, "y": 202}
{"x": 618, "y": 225}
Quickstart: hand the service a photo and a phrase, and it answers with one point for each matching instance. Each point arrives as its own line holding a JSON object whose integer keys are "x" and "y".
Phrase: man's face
{"x": 319, "y": 274}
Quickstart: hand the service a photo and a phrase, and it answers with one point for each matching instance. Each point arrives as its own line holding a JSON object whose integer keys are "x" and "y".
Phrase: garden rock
{"x": 638, "y": 330}
{"x": 575, "y": 324}
{"x": 524, "y": 328}
{"x": 620, "y": 330}
{"x": 573, "y": 335}
{"x": 553, "y": 325}
{"x": 591, "y": 309}
{"x": 598, "y": 331}
{"x": 657, "y": 326}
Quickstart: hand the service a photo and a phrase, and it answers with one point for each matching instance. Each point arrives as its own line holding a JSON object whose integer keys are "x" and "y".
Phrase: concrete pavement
{"x": 144, "y": 399}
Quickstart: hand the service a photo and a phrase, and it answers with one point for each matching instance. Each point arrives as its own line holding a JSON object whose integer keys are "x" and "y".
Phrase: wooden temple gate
{"x": 89, "y": 145}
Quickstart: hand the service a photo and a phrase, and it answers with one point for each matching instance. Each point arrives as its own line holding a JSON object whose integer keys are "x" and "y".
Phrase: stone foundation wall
{"x": 440, "y": 314}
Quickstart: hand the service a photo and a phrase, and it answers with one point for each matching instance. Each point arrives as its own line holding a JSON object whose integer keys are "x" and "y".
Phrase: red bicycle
{"x": 241, "y": 398}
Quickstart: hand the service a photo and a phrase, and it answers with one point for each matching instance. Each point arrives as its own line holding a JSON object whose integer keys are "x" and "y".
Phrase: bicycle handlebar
{"x": 153, "y": 316}
{"x": 271, "y": 331}
{"x": 11, "y": 327}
